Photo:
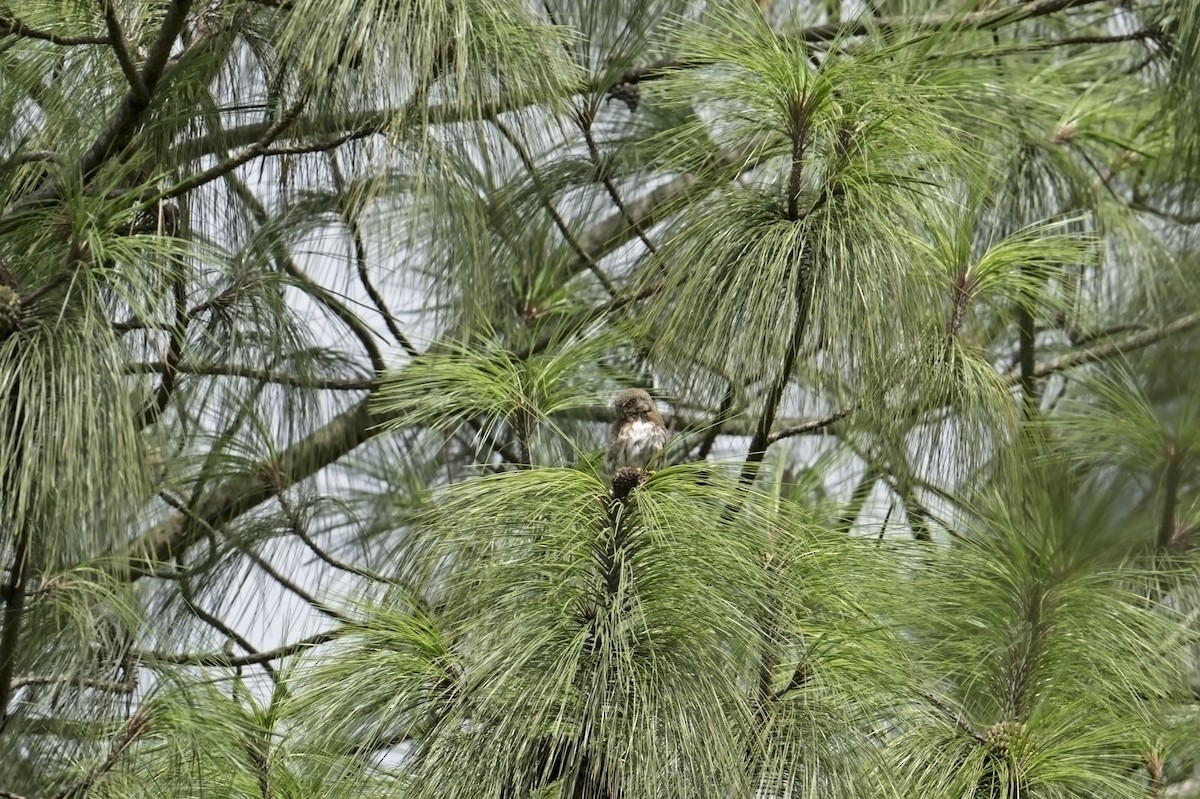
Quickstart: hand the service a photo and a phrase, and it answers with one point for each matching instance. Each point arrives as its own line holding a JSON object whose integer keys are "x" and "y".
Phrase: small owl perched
{"x": 638, "y": 434}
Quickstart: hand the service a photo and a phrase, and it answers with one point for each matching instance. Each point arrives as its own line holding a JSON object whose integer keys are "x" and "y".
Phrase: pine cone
{"x": 10, "y": 310}
{"x": 625, "y": 480}
{"x": 1006, "y": 739}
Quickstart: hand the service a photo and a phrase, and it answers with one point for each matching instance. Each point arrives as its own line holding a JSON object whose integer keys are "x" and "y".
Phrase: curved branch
{"x": 309, "y": 286}
{"x": 233, "y": 161}
{"x": 584, "y": 256}
{"x": 810, "y": 427}
{"x": 350, "y": 217}
{"x": 174, "y": 535}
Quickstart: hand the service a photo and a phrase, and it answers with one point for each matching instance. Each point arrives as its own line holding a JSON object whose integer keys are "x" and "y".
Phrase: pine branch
{"x": 138, "y": 723}
{"x": 14, "y": 612}
{"x": 12, "y": 26}
{"x": 586, "y": 119}
{"x": 813, "y": 426}
{"x": 252, "y": 373}
{"x": 122, "y": 125}
{"x": 235, "y": 160}
{"x": 225, "y": 660}
{"x": 176, "y": 337}
{"x": 128, "y": 686}
{"x": 117, "y": 39}
{"x": 1110, "y": 349}
{"x": 1172, "y": 480}
{"x": 317, "y": 292}
{"x": 350, "y": 217}
{"x": 173, "y": 536}
{"x": 543, "y": 194}
{"x": 976, "y": 20}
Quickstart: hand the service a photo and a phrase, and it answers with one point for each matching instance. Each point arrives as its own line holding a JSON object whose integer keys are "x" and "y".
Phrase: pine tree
{"x": 311, "y": 317}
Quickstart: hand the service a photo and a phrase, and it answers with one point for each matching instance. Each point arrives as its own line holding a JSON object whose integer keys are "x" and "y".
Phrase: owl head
{"x": 633, "y": 402}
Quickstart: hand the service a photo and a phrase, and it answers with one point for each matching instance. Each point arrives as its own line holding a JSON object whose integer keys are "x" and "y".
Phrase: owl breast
{"x": 639, "y": 442}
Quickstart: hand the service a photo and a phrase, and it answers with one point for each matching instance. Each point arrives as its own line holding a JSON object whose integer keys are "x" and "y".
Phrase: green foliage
{"x": 312, "y": 312}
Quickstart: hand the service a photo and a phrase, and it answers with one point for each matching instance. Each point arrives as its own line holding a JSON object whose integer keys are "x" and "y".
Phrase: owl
{"x": 638, "y": 434}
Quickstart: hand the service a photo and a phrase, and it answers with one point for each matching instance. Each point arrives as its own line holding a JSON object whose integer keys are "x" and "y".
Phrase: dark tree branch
{"x": 1069, "y": 41}
{"x": 977, "y": 20}
{"x": 585, "y": 118}
{"x": 1174, "y": 216}
{"x": 138, "y": 723}
{"x": 869, "y": 25}
{"x": 1111, "y": 348}
{"x": 12, "y": 26}
{"x": 956, "y": 718}
{"x": 800, "y": 299}
{"x": 173, "y": 536}
{"x": 121, "y": 126}
{"x": 176, "y": 338}
{"x": 287, "y": 584}
{"x": 128, "y": 686}
{"x": 117, "y": 39}
{"x": 220, "y": 626}
{"x": 714, "y": 430}
{"x": 301, "y": 532}
{"x": 1172, "y": 480}
{"x": 14, "y": 610}
{"x": 360, "y": 260}
{"x": 309, "y": 286}
{"x": 253, "y": 373}
{"x": 1027, "y": 356}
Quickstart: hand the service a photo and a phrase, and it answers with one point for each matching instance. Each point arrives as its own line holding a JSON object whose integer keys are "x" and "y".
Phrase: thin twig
{"x": 287, "y": 584}
{"x": 811, "y": 427}
{"x": 233, "y": 161}
{"x": 586, "y": 118}
{"x": 714, "y": 429}
{"x": 360, "y": 258}
{"x": 137, "y": 724}
{"x": 301, "y": 532}
{"x": 954, "y": 717}
{"x": 559, "y": 222}
{"x": 306, "y": 284}
{"x": 177, "y": 335}
{"x": 225, "y": 660}
{"x": 223, "y": 628}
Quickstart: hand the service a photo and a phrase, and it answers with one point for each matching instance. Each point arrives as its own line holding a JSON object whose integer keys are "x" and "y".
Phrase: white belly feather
{"x": 641, "y": 441}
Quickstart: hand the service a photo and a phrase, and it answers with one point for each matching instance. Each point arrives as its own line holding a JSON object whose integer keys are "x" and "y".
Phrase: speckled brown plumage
{"x": 637, "y": 434}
